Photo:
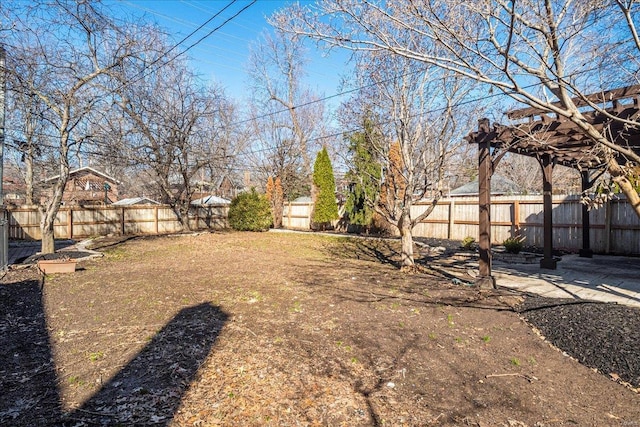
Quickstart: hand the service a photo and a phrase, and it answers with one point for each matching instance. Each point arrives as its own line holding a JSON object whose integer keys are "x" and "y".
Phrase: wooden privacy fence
{"x": 615, "y": 228}
{"x": 79, "y": 222}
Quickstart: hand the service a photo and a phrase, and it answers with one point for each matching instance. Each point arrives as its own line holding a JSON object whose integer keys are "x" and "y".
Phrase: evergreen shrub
{"x": 250, "y": 212}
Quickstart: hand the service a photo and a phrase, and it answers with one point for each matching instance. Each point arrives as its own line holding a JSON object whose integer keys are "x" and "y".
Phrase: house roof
{"x": 499, "y": 185}
{"x": 211, "y": 200}
{"x": 86, "y": 169}
{"x": 135, "y": 201}
{"x": 303, "y": 199}
{"x": 221, "y": 179}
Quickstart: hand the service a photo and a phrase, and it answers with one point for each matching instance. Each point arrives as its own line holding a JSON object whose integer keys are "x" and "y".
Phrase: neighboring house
{"x": 14, "y": 188}
{"x": 210, "y": 200}
{"x": 13, "y": 191}
{"x": 500, "y": 186}
{"x": 86, "y": 186}
{"x": 303, "y": 199}
{"x": 135, "y": 201}
{"x": 225, "y": 187}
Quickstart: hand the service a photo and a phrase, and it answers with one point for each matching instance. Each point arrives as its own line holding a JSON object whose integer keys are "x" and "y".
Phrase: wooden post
{"x": 484, "y": 279}
{"x": 586, "y": 251}
{"x": 70, "y": 223}
{"x": 452, "y": 220}
{"x": 515, "y": 221}
{"x": 607, "y": 226}
{"x": 156, "y": 219}
{"x": 122, "y": 229}
{"x": 547, "y": 190}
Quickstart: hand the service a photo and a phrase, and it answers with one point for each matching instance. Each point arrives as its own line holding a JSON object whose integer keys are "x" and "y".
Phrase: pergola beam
{"x": 596, "y": 98}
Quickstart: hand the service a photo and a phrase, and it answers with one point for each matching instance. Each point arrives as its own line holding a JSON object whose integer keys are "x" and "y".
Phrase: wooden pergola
{"x": 553, "y": 140}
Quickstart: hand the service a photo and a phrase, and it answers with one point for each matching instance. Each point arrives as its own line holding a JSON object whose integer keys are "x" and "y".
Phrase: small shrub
{"x": 513, "y": 245}
{"x": 250, "y": 212}
{"x": 469, "y": 243}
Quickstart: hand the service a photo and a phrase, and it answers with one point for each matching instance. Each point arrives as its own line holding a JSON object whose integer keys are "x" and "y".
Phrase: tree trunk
{"x": 46, "y": 229}
{"x": 619, "y": 177}
{"x": 50, "y": 211}
{"x": 29, "y": 176}
{"x": 277, "y": 214}
{"x": 406, "y": 238}
{"x": 183, "y": 216}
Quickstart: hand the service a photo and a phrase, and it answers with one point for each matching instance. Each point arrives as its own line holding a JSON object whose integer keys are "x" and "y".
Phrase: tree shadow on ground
{"x": 148, "y": 390}
{"x": 28, "y": 382}
{"x": 385, "y": 251}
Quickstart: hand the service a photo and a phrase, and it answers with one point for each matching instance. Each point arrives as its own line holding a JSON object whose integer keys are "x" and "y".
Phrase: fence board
{"x": 80, "y": 222}
{"x": 617, "y": 231}
{"x": 457, "y": 218}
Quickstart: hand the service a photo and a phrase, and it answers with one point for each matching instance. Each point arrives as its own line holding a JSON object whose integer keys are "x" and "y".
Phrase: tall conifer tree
{"x": 326, "y": 208}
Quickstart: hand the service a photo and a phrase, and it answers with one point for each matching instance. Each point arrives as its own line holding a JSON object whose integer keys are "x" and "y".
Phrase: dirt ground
{"x": 276, "y": 329}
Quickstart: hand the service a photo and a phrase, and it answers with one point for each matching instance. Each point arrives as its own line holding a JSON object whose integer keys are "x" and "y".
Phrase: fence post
{"x": 156, "y": 219}
{"x": 515, "y": 221}
{"x": 452, "y": 220}
{"x": 4, "y": 237}
{"x": 70, "y": 223}
{"x": 607, "y": 227}
{"x": 122, "y": 229}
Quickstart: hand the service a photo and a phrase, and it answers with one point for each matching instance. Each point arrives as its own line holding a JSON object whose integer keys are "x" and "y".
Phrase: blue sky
{"x": 222, "y": 57}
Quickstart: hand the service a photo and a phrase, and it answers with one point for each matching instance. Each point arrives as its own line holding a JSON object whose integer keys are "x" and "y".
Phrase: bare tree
{"x": 420, "y": 127}
{"x": 526, "y": 173}
{"x": 27, "y": 129}
{"x": 69, "y": 48}
{"x": 542, "y": 53}
{"x": 275, "y": 153}
{"x": 176, "y": 129}
{"x": 288, "y": 116}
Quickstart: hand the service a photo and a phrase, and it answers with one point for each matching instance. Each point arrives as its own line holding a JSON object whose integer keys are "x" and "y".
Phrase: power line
{"x": 146, "y": 67}
{"x": 186, "y": 37}
{"x": 431, "y": 111}
{"x": 338, "y": 134}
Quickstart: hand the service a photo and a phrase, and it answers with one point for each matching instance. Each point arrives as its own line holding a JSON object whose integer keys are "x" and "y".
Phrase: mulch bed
{"x": 603, "y": 336}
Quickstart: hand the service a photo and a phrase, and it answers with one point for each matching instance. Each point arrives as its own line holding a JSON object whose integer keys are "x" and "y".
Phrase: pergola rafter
{"x": 553, "y": 139}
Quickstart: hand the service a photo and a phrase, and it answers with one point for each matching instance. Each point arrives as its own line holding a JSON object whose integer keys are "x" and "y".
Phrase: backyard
{"x": 288, "y": 329}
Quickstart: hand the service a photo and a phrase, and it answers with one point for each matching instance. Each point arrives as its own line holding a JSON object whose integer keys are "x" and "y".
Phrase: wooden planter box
{"x": 50, "y": 266}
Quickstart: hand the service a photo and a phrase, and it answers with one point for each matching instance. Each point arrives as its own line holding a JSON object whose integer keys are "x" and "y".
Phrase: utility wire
{"x": 359, "y": 128}
{"x": 431, "y": 111}
{"x": 175, "y": 46}
{"x": 141, "y": 74}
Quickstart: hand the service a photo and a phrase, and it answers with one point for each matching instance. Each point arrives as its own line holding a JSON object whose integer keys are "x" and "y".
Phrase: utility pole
{"x": 4, "y": 223}
{"x": 3, "y": 90}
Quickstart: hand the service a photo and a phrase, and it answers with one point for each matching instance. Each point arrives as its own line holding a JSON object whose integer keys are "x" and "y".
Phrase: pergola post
{"x": 547, "y": 187}
{"x": 586, "y": 251}
{"x": 485, "y": 170}
{"x": 554, "y": 139}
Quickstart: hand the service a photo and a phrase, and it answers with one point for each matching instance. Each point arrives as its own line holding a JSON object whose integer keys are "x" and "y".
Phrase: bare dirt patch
{"x": 285, "y": 329}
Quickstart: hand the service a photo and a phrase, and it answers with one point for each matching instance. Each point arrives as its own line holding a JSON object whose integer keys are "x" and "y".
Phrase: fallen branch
{"x": 529, "y": 378}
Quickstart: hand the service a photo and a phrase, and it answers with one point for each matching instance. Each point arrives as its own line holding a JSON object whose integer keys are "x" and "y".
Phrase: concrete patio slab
{"x": 604, "y": 278}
